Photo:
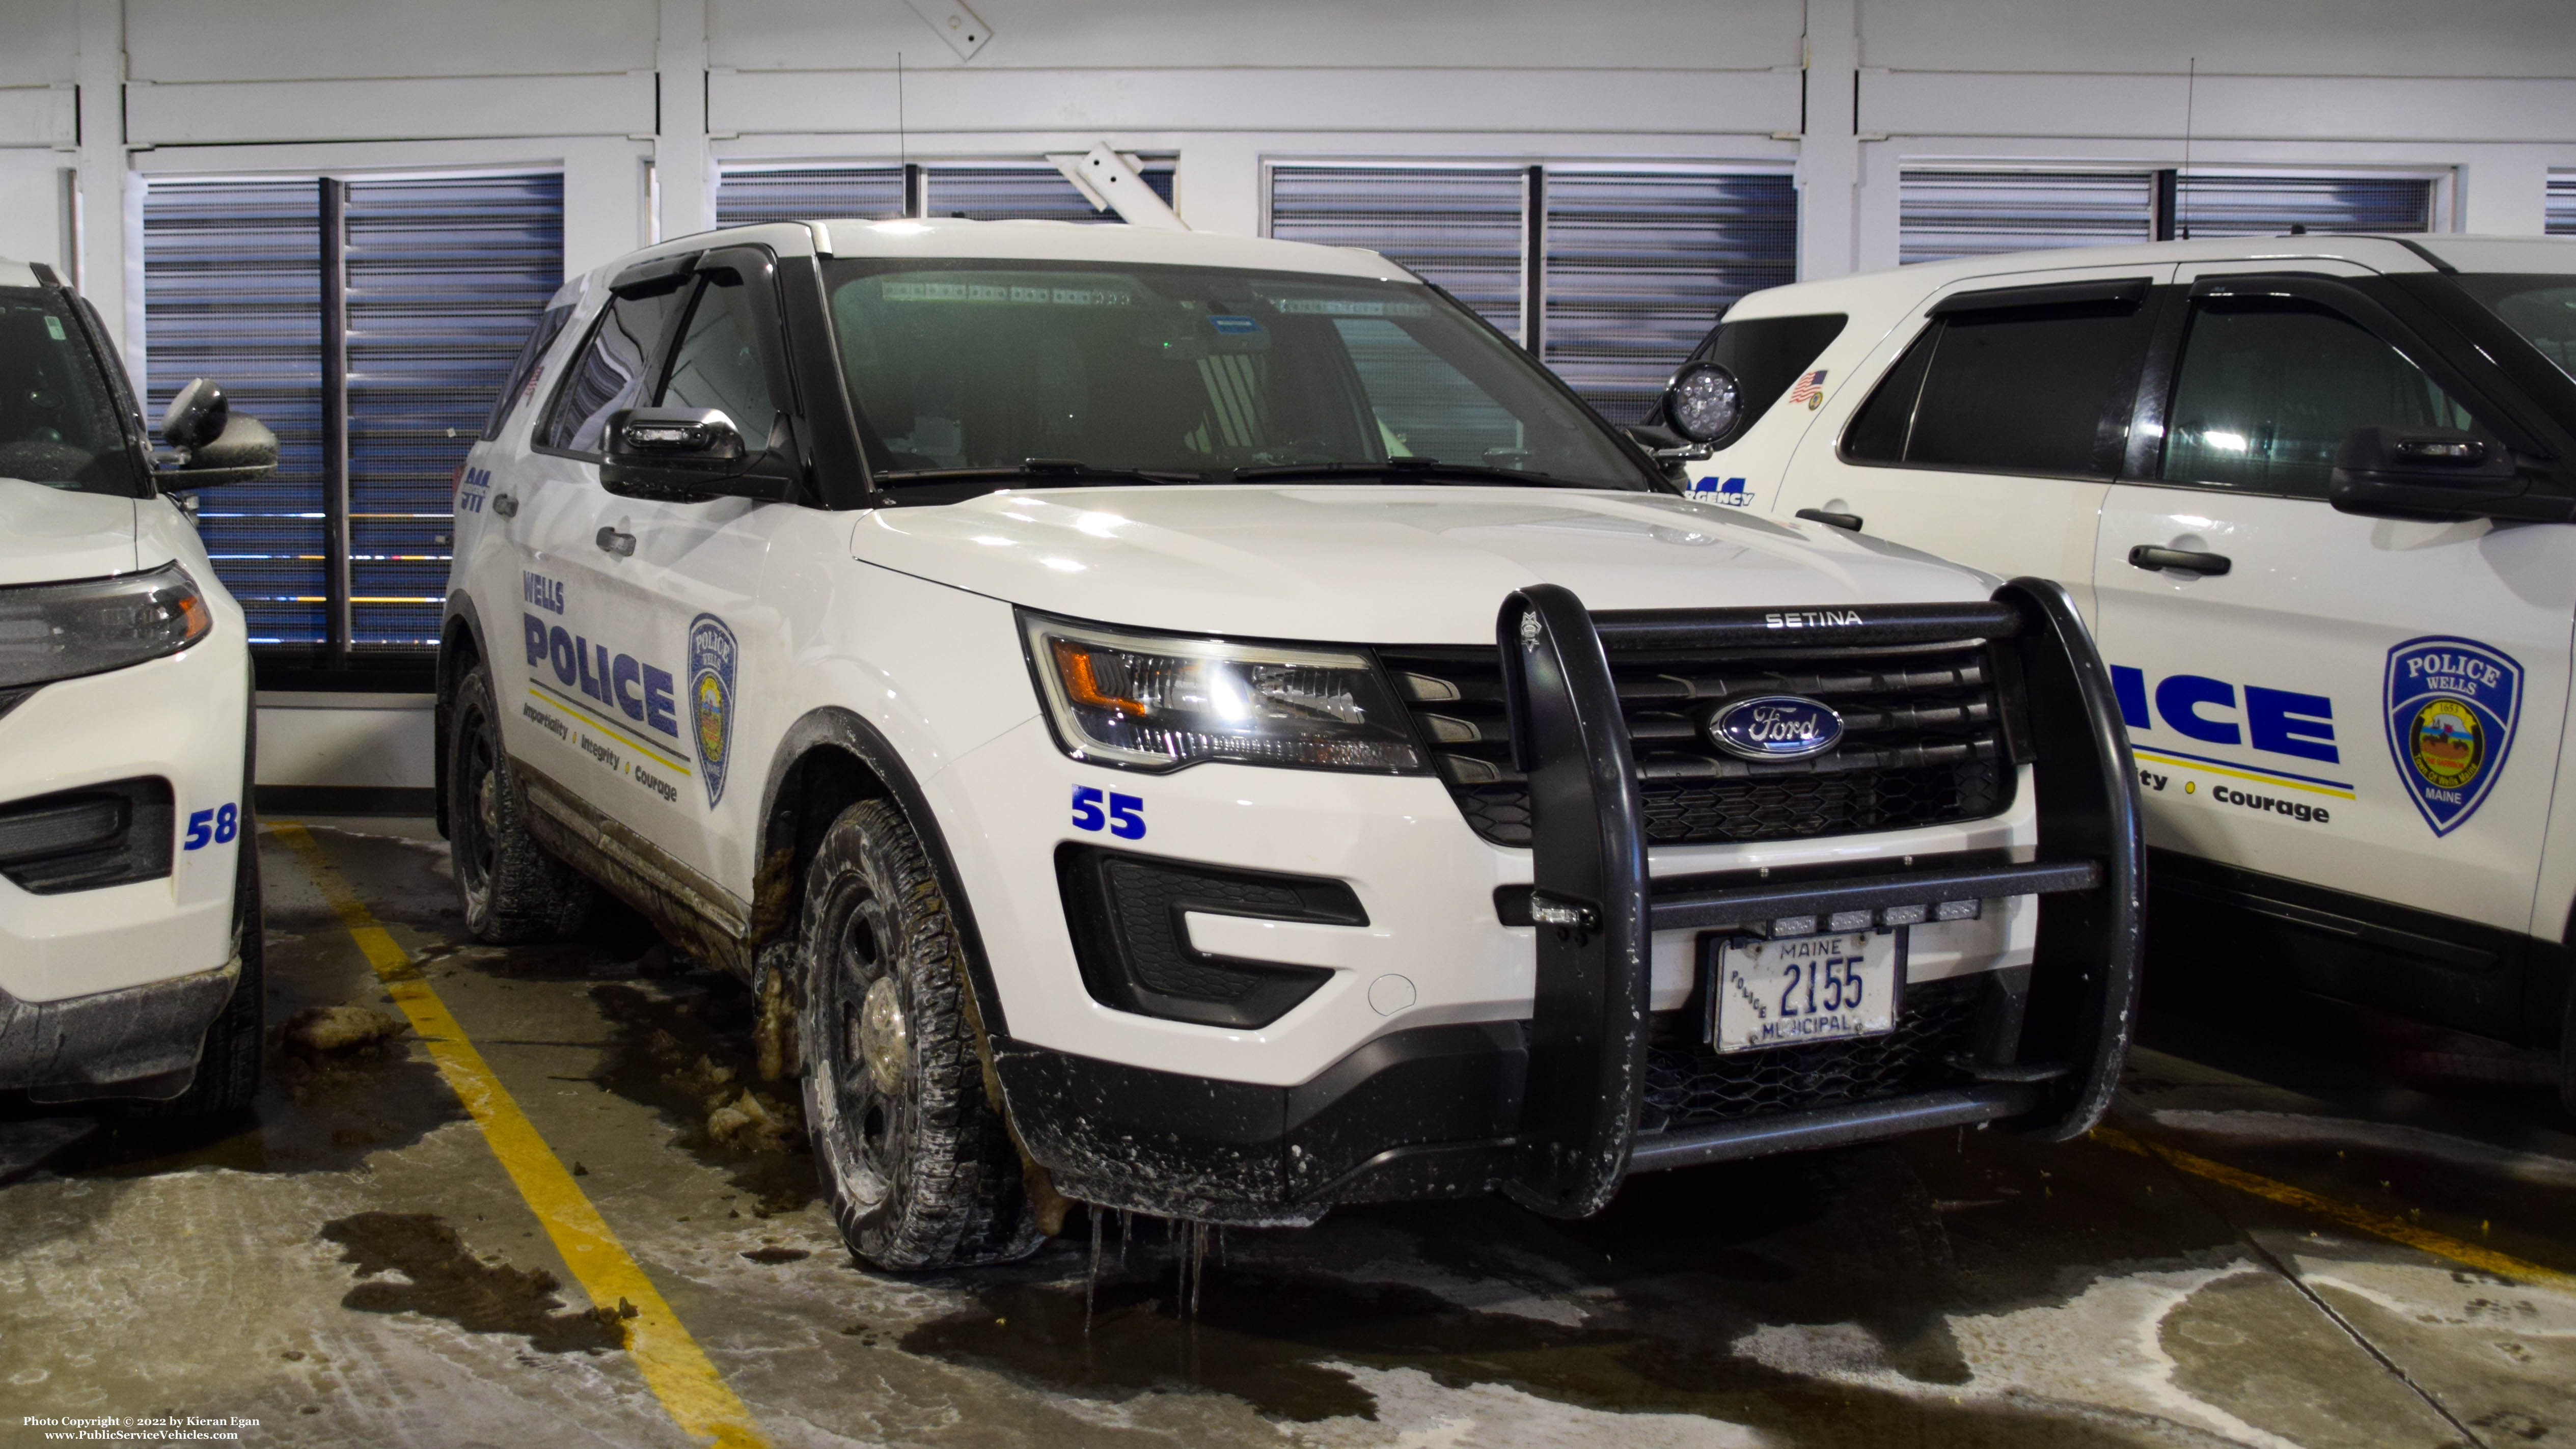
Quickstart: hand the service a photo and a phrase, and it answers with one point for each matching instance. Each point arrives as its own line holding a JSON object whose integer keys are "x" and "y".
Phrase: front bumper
{"x": 1558, "y": 1103}
{"x": 182, "y": 722}
{"x": 136, "y": 1041}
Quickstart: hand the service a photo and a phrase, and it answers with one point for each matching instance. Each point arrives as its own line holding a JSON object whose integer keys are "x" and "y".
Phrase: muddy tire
{"x": 918, "y": 1167}
{"x": 513, "y": 891}
{"x": 228, "y": 1064}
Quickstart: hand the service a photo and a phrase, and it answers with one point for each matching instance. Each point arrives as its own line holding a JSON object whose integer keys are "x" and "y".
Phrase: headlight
{"x": 1161, "y": 701}
{"x": 1702, "y": 402}
{"x": 60, "y": 631}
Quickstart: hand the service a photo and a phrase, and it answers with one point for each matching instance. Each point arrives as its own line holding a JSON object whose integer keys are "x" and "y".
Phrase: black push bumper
{"x": 1597, "y": 907}
{"x": 1556, "y": 1110}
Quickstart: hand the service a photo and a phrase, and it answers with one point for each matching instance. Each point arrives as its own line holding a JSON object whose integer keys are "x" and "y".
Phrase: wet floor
{"x": 2363, "y": 1241}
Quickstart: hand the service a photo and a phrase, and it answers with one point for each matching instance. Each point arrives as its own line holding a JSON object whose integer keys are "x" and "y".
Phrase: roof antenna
{"x": 2190, "y": 97}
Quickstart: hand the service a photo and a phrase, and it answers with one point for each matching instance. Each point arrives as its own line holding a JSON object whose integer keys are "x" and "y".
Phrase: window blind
{"x": 1945, "y": 212}
{"x": 232, "y": 287}
{"x": 446, "y": 277}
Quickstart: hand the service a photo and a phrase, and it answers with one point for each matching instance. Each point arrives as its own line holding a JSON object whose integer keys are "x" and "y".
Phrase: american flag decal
{"x": 1810, "y": 388}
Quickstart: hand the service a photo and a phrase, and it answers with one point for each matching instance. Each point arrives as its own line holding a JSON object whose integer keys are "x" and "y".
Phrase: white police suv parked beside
{"x": 129, "y": 885}
{"x": 1207, "y": 726}
{"x": 2314, "y": 495}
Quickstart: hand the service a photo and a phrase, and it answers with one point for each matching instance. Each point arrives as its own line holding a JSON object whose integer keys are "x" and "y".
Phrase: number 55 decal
{"x": 213, "y": 827}
{"x": 1125, "y": 816}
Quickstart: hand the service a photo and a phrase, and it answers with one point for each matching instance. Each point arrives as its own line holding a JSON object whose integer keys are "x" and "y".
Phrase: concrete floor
{"x": 357, "y": 1269}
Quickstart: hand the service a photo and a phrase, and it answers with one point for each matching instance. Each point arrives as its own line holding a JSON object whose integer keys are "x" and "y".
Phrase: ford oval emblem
{"x": 1775, "y": 727}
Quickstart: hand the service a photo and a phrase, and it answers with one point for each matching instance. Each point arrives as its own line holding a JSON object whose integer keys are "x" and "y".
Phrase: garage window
{"x": 1030, "y": 190}
{"x": 1609, "y": 273}
{"x": 1978, "y": 211}
{"x": 1972, "y": 213}
{"x": 2562, "y": 203}
{"x": 371, "y": 322}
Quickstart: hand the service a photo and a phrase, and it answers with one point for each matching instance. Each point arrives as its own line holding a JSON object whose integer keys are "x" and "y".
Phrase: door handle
{"x": 2184, "y": 560}
{"x": 620, "y": 544}
{"x": 505, "y": 505}
{"x": 1832, "y": 520}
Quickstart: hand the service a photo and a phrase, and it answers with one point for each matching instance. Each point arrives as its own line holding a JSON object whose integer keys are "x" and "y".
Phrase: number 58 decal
{"x": 212, "y": 827}
{"x": 1125, "y": 817}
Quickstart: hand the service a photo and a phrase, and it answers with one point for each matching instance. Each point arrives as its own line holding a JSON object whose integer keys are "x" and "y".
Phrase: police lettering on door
{"x": 621, "y": 683}
{"x": 2294, "y": 727}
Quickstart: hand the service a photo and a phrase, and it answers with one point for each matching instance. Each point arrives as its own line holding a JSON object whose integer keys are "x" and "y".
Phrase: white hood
{"x": 1381, "y": 565}
{"x": 54, "y": 533}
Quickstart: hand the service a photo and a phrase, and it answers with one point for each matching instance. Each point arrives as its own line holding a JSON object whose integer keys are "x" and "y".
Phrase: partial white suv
{"x": 129, "y": 885}
{"x": 2315, "y": 496}
{"x": 1209, "y": 727}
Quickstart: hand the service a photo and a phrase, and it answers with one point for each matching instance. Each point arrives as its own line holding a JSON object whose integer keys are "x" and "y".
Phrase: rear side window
{"x": 610, "y": 374}
{"x": 2270, "y": 386}
{"x": 59, "y": 420}
{"x": 2043, "y": 389}
{"x": 1767, "y": 354}
{"x": 523, "y": 373}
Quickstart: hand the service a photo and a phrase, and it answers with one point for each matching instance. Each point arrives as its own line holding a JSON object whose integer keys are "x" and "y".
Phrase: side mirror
{"x": 197, "y": 415}
{"x": 2436, "y": 475}
{"x": 681, "y": 455}
{"x": 215, "y": 445}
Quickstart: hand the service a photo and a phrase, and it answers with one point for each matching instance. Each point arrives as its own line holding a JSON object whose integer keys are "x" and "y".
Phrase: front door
{"x": 1991, "y": 434}
{"x": 683, "y": 581}
{"x": 600, "y": 711}
{"x": 2368, "y": 705}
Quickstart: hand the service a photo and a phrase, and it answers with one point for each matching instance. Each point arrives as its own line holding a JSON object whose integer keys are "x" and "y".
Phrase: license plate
{"x": 1808, "y": 988}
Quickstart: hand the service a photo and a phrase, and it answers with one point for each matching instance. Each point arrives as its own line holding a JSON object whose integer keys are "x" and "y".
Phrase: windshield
{"x": 1203, "y": 375}
{"x": 57, "y": 424}
{"x": 2539, "y": 305}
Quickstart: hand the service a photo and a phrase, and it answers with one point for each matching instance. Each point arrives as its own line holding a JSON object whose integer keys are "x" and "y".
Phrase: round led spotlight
{"x": 1703, "y": 402}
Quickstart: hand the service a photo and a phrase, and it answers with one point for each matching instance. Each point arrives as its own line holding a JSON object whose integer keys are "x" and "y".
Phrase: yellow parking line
{"x": 2396, "y": 1230}
{"x": 673, "y": 1365}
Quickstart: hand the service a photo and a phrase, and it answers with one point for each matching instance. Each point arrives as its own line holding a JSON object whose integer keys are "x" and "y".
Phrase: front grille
{"x": 1922, "y": 739}
{"x": 1688, "y": 1084}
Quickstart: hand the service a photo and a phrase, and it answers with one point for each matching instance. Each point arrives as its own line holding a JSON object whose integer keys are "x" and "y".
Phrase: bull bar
{"x": 1596, "y": 904}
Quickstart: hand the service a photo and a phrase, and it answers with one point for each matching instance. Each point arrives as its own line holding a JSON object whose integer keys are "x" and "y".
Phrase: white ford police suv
{"x": 2314, "y": 495}
{"x": 129, "y": 885}
{"x": 1208, "y": 727}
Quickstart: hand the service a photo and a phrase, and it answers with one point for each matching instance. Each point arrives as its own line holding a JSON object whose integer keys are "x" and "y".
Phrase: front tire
{"x": 918, "y": 1167}
{"x": 513, "y": 891}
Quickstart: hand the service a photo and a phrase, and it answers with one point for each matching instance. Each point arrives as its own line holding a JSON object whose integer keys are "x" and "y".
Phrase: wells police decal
{"x": 711, "y": 663}
{"x": 2451, "y": 706}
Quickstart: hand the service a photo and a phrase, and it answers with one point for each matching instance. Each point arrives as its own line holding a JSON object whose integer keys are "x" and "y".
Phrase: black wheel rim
{"x": 470, "y": 824}
{"x": 875, "y": 1126}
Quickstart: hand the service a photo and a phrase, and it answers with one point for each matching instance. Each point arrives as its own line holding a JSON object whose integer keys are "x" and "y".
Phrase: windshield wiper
{"x": 1404, "y": 468}
{"x": 1068, "y": 469}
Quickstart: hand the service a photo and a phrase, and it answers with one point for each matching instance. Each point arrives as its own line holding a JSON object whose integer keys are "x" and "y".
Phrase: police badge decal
{"x": 2451, "y": 707}
{"x": 711, "y": 663}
